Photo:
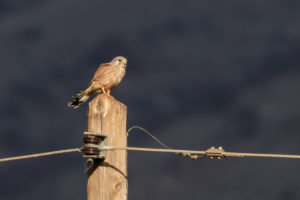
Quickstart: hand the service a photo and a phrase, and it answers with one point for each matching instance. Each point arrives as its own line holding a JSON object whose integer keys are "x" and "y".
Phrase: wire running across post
{"x": 192, "y": 154}
{"x": 201, "y": 153}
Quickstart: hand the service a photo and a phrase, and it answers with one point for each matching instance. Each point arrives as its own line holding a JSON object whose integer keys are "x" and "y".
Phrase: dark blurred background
{"x": 200, "y": 74}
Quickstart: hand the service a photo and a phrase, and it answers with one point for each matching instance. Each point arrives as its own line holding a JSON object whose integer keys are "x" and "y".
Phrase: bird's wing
{"x": 104, "y": 69}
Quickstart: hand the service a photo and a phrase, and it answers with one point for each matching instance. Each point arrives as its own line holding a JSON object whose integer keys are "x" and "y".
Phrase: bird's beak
{"x": 124, "y": 62}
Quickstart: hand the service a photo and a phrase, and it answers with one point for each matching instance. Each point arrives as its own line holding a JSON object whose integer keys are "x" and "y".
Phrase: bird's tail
{"x": 81, "y": 97}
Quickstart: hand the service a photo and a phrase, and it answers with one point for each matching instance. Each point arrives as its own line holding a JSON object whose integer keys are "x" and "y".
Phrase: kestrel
{"x": 107, "y": 76}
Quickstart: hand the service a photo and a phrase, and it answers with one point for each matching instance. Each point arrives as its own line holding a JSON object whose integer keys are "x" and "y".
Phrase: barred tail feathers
{"x": 81, "y": 97}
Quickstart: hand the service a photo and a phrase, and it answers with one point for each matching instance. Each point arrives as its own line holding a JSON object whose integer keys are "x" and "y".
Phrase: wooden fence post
{"x": 107, "y": 180}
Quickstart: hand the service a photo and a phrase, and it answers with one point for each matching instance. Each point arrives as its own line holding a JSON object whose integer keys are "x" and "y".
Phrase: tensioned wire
{"x": 193, "y": 154}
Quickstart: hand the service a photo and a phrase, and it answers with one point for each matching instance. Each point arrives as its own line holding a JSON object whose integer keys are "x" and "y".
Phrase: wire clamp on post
{"x": 215, "y": 153}
{"x": 93, "y": 143}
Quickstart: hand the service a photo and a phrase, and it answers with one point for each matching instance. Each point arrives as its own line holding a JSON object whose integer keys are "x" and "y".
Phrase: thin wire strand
{"x": 147, "y": 132}
{"x": 40, "y": 154}
{"x": 188, "y": 155}
{"x": 112, "y": 148}
{"x": 234, "y": 154}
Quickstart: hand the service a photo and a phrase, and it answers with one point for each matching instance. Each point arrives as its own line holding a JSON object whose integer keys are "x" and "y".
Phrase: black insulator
{"x": 91, "y": 140}
{"x": 92, "y": 146}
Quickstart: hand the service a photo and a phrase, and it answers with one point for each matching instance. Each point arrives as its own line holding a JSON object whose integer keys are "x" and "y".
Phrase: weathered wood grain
{"x": 107, "y": 180}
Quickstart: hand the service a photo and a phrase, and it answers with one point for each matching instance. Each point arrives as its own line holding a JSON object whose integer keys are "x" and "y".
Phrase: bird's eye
{"x": 120, "y": 60}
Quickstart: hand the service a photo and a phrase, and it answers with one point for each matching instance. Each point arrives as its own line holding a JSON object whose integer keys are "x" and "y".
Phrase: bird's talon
{"x": 103, "y": 90}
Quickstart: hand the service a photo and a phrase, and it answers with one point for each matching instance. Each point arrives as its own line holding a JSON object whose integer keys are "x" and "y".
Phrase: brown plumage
{"x": 107, "y": 76}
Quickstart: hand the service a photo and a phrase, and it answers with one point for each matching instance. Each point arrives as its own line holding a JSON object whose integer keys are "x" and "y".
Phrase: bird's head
{"x": 119, "y": 61}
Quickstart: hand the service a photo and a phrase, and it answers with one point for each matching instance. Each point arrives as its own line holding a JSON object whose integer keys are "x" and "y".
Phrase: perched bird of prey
{"x": 107, "y": 76}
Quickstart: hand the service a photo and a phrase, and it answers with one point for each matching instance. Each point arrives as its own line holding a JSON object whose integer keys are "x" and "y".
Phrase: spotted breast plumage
{"x": 107, "y": 76}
